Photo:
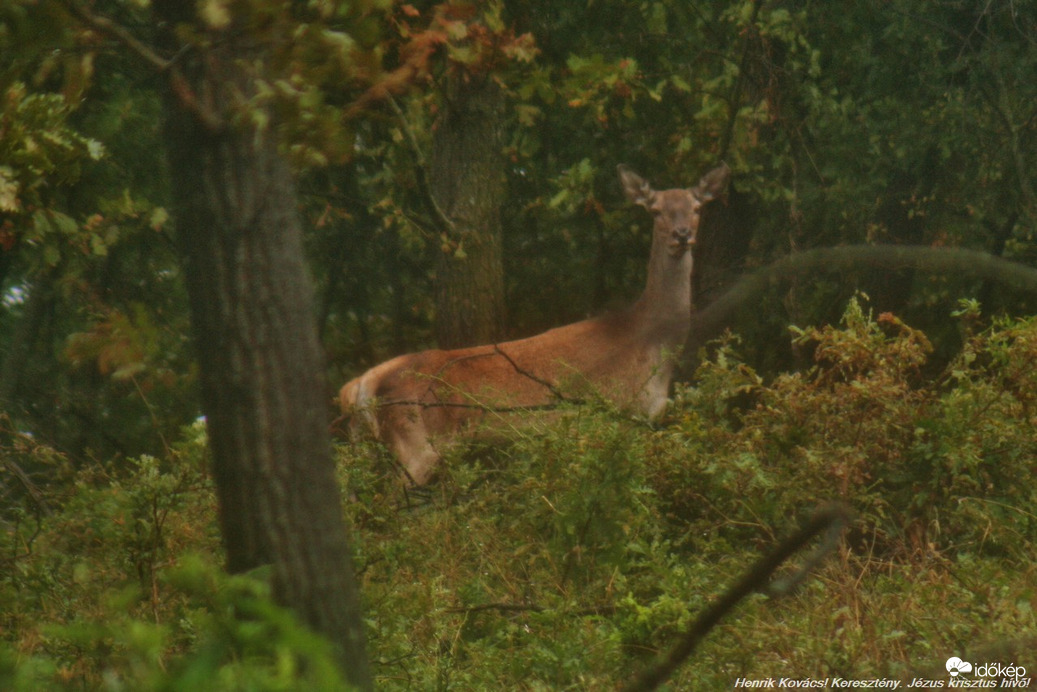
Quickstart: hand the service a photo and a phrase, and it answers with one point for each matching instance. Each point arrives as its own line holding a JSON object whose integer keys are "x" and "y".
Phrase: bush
{"x": 111, "y": 591}
{"x": 571, "y": 556}
{"x": 931, "y": 465}
{"x": 599, "y": 538}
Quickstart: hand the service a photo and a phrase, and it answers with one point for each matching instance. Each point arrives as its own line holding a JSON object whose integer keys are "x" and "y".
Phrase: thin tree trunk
{"x": 25, "y": 335}
{"x": 467, "y": 182}
{"x": 263, "y": 389}
{"x": 723, "y": 244}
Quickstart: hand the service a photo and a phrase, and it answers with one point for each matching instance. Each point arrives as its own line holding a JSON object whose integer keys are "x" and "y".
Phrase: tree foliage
{"x": 809, "y": 107}
{"x": 871, "y": 122}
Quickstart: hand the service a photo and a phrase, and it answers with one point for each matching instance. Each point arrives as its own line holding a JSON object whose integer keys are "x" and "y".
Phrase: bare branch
{"x": 439, "y": 217}
{"x": 1004, "y": 109}
{"x": 607, "y": 609}
{"x": 177, "y": 83}
{"x": 107, "y": 27}
{"x": 833, "y": 518}
{"x": 948, "y": 261}
{"x": 736, "y": 91}
{"x": 555, "y": 392}
{"x": 502, "y": 607}
{"x": 31, "y": 489}
{"x": 210, "y": 121}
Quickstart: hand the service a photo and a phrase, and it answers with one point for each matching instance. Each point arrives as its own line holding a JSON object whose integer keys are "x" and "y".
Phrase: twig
{"x": 472, "y": 402}
{"x": 40, "y": 510}
{"x": 439, "y": 217}
{"x": 106, "y": 26}
{"x": 502, "y": 607}
{"x": 178, "y": 84}
{"x": 736, "y": 90}
{"x": 211, "y": 122}
{"x": 525, "y": 373}
{"x": 30, "y": 488}
{"x": 831, "y": 518}
{"x": 1003, "y": 106}
{"x": 787, "y": 585}
{"x": 950, "y": 261}
{"x": 606, "y": 609}
{"x": 476, "y": 406}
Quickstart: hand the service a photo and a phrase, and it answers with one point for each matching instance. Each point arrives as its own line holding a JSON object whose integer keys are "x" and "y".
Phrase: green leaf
{"x": 8, "y": 190}
{"x": 559, "y": 199}
{"x": 159, "y": 217}
{"x": 678, "y": 83}
{"x": 215, "y": 13}
{"x": 98, "y": 247}
{"x": 51, "y": 255}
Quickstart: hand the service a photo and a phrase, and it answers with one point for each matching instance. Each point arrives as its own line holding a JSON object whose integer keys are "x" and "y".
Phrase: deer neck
{"x": 664, "y": 309}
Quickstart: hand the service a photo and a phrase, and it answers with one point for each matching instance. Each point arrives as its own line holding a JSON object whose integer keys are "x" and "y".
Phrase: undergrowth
{"x": 573, "y": 555}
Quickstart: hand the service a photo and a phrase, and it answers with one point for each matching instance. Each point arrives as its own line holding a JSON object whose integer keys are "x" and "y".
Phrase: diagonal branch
{"x": 555, "y": 392}
{"x": 833, "y": 518}
{"x": 708, "y": 322}
{"x": 177, "y": 83}
{"x": 106, "y": 26}
{"x": 439, "y": 217}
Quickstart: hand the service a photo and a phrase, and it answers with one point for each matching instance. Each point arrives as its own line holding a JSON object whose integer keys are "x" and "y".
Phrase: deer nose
{"x": 683, "y": 236}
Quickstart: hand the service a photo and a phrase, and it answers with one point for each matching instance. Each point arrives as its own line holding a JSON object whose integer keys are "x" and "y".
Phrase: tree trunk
{"x": 25, "y": 334}
{"x": 723, "y": 244}
{"x": 263, "y": 389}
{"x": 467, "y": 181}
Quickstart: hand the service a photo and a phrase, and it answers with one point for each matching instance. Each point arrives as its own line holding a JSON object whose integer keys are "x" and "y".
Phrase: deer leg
{"x": 409, "y": 442}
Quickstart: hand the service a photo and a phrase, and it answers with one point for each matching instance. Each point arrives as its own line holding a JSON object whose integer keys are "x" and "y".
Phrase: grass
{"x": 571, "y": 557}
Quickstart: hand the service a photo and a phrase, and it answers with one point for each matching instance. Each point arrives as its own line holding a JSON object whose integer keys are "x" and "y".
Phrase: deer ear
{"x": 713, "y": 183}
{"x": 636, "y": 188}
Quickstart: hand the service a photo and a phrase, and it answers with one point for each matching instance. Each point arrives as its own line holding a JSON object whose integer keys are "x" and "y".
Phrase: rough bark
{"x": 723, "y": 244}
{"x": 467, "y": 181}
{"x": 263, "y": 389}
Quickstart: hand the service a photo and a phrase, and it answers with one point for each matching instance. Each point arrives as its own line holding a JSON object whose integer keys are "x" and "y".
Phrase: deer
{"x": 418, "y": 403}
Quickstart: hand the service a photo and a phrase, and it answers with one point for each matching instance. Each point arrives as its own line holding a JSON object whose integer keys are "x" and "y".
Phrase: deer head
{"x": 675, "y": 212}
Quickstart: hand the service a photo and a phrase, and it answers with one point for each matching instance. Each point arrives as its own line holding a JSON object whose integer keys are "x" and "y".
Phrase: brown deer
{"x": 418, "y": 402}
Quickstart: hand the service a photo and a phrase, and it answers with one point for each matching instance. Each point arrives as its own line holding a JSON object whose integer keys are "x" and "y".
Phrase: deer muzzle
{"x": 681, "y": 241}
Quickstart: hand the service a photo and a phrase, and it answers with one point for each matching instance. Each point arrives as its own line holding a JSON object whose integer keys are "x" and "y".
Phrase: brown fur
{"x": 417, "y": 401}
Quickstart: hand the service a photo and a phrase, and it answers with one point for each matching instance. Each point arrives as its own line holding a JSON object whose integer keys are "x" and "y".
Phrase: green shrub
{"x": 597, "y": 538}
{"x": 572, "y": 555}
